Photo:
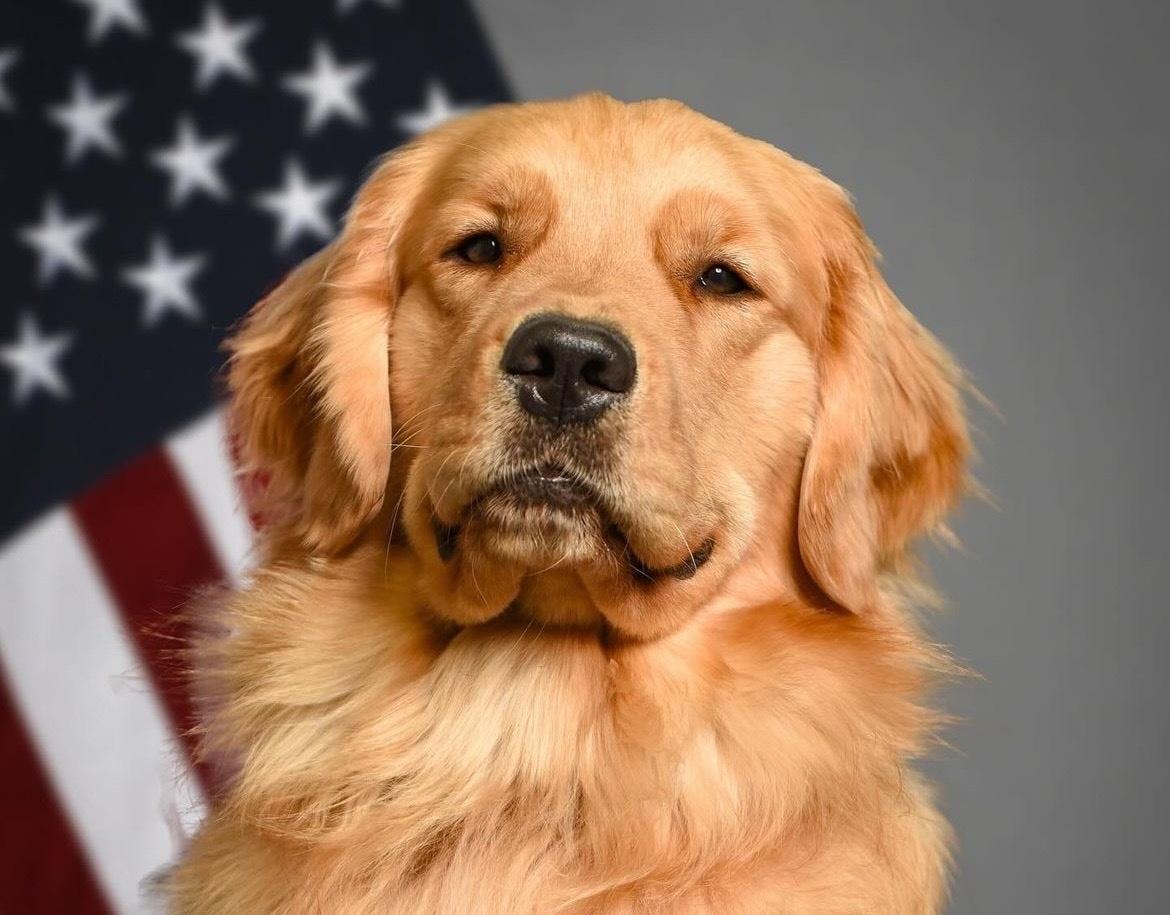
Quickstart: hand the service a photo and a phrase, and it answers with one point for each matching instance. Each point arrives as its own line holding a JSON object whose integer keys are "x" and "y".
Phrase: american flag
{"x": 162, "y": 164}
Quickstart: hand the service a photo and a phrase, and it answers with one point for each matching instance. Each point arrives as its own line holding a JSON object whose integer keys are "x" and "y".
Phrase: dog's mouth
{"x": 550, "y": 502}
{"x": 549, "y": 487}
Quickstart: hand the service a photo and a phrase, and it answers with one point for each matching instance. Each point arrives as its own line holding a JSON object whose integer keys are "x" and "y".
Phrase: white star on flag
{"x": 193, "y": 164}
{"x": 8, "y": 59}
{"x": 344, "y": 6}
{"x": 299, "y": 206}
{"x": 329, "y": 89}
{"x": 219, "y": 47}
{"x": 164, "y": 281}
{"x": 436, "y": 110}
{"x": 33, "y": 360}
{"x": 105, "y": 14}
{"x": 57, "y": 240}
{"x": 86, "y": 119}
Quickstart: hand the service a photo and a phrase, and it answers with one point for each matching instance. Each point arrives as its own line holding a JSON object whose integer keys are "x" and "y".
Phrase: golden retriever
{"x": 593, "y": 447}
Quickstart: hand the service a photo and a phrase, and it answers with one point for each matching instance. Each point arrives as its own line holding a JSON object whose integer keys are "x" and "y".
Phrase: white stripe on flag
{"x": 103, "y": 737}
{"x": 200, "y": 453}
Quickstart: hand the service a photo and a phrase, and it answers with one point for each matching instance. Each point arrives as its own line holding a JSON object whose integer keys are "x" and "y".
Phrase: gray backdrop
{"x": 1008, "y": 159}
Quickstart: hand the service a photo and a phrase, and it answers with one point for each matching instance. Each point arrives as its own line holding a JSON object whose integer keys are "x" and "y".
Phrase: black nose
{"x": 568, "y": 371}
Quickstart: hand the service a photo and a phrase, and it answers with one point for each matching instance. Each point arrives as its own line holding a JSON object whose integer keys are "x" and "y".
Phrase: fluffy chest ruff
{"x": 752, "y": 762}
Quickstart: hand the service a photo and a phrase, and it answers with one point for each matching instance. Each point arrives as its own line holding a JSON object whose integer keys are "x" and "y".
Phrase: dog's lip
{"x": 559, "y": 488}
{"x": 543, "y": 485}
{"x": 548, "y": 485}
{"x": 551, "y": 485}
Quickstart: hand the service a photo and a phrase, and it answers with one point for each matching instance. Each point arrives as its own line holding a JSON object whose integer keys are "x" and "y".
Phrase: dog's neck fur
{"x": 390, "y": 757}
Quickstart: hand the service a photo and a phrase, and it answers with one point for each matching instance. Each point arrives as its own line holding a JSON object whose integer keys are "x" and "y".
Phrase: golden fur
{"x": 525, "y": 726}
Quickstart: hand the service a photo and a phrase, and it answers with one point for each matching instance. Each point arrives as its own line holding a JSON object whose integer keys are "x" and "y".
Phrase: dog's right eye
{"x": 481, "y": 248}
{"x": 722, "y": 280}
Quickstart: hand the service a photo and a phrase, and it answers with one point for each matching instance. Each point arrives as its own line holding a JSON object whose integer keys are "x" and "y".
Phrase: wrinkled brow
{"x": 518, "y": 201}
{"x": 699, "y": 218}
{"x": 696, "y": 224}
{"x": 502, "y": 191}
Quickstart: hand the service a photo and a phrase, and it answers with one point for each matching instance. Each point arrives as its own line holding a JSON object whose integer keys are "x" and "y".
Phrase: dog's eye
{"x": 722, "y": 280}
{"x": 482, "y": 248}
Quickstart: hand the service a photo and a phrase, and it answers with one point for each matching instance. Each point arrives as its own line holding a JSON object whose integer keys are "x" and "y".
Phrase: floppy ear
{"x": 309, "y": 375}
{"x": 889, "y": 450}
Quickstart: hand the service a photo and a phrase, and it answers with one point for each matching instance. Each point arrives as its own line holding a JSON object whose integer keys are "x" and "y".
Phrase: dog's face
{"x": 621, "y": 355}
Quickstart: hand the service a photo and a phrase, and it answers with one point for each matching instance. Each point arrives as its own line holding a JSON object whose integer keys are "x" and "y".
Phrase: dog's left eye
{"x": 722, "y": 280}
{"x": 481, "y": 248}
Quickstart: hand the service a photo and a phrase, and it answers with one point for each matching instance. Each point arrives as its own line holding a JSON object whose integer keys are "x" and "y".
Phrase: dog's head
{"x": 595, "y": 362}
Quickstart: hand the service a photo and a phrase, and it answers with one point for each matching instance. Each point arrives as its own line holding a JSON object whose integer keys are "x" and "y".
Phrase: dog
{"x": 592, "y": 453}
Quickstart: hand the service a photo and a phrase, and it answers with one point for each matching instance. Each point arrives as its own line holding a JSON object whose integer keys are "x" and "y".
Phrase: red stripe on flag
{"x": 148, "y": 541}
{"x": 42, "y": 869}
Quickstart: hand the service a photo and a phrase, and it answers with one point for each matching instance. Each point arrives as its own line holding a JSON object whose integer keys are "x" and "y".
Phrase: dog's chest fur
{"x": 745, "y": 758}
